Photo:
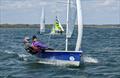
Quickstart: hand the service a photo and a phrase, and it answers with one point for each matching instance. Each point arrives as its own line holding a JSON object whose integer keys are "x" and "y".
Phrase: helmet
{"x": 34, "y": 37}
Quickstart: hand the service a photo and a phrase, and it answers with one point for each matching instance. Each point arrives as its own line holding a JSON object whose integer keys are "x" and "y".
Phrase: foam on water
{"x": 9, "y": 52}
{"x": 88, "y": 59}
{"x": 23, "y": 56}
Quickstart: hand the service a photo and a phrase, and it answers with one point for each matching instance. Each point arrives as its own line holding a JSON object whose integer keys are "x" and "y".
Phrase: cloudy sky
{"x": 29, "y": 11}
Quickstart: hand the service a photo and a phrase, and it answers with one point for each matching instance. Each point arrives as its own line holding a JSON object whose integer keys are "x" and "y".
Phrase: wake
{"x": 89, "y": 59}
{"x": 21, "y": 56}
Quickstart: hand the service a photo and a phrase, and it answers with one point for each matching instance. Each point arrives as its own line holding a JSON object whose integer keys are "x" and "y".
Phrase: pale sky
{"x": 29, "y": 11}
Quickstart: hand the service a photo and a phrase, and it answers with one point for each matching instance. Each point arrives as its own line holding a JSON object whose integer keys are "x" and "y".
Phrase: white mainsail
{"x": 80, "y": 25}
{"x": 71, "y": 17}
{"x": 73, "y": 10}
{"x": 42, "y": 24}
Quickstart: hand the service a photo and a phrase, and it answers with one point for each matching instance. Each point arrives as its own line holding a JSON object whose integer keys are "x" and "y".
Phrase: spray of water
{"x": 88, "y": 59}
{"x": 9, "y": 52}
{"x": 23, "y": 56}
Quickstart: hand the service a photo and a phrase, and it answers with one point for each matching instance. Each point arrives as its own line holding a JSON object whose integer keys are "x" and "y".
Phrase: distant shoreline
{"x": 50, "y": 25}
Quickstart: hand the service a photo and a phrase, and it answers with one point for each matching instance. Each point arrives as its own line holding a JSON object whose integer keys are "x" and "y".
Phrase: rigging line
{"x": 60, "y": 44}
{"x": 49, "y": 38}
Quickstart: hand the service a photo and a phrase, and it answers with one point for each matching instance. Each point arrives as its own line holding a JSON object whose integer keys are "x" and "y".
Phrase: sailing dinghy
{"x": 67, "y": 57}
{"x": 57, "y": 27}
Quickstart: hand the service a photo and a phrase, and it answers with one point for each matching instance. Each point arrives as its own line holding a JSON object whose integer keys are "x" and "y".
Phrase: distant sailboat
{"x": 67, "y": 57}
{"x": 57, "y": 27}
{"x": 42, "y": 22}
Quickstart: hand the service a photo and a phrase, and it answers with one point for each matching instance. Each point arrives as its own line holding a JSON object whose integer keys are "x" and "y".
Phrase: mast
{"x": 68, "y": 6}
{"x": 80, "y": 26}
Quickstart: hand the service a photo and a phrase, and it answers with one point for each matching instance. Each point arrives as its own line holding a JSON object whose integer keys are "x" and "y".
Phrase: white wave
{"x": 23, "y": 55}
{"x": 9, "y": 52}
{"x": 89, "y": 59}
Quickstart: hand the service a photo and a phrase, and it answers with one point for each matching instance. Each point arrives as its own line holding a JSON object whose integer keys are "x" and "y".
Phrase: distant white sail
{"x": 42, "y": 25}
{"x": 71, "y": 17}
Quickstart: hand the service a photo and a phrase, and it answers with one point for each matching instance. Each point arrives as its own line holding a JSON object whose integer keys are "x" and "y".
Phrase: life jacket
{"x": 37, "y": 48}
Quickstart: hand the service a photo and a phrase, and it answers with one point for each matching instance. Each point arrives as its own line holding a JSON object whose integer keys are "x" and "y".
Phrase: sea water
{"x": 101, "y": 54}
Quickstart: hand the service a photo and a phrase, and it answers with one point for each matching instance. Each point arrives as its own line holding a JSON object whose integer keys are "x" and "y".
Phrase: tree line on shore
{"x": 49, "y": 25}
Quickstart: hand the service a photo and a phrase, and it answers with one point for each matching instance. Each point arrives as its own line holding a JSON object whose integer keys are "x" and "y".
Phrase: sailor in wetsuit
{"x": 37, "y": 45}
{"x": 27, "y": 45}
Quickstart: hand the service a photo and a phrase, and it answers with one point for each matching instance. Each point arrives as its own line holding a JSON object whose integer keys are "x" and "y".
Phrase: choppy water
{"x": 101, "y": 58}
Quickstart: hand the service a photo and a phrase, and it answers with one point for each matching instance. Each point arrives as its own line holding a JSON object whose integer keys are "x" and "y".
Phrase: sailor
{"x": 39, "y": 46}
{"x": 28, "y": 46}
